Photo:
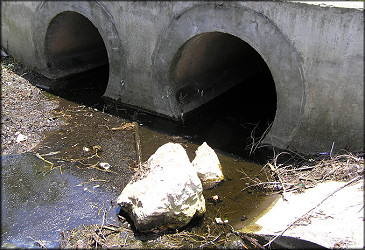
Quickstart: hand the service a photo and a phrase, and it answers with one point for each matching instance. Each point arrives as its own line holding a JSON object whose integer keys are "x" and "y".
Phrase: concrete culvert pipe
{"x": 208, "y": 65}
{"x": 73, "y": 45}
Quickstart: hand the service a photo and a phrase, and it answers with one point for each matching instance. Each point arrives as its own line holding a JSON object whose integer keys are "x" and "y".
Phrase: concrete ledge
{"x": 338, "y": 219}
{"x": 338, "y": 4}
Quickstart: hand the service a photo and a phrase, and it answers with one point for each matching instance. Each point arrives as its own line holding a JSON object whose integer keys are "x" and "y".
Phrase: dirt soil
{"x": 25, "y": 110}
{"x": 26, "y": 113}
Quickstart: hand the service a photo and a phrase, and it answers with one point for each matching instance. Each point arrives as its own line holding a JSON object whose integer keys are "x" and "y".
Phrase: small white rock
{"x": 86, "y": 149}
{"x": 165, "y": 193}
{"x": 208, "y": 167}
{"x": 21, "y": 138}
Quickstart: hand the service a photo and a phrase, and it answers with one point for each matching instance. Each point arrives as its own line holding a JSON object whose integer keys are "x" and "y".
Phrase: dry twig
{"x": 295, "y": 176}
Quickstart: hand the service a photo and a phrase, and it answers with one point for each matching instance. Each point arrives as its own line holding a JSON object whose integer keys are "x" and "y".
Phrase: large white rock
{"x": 167, "y": 193}
{"x": 208, "y": 166}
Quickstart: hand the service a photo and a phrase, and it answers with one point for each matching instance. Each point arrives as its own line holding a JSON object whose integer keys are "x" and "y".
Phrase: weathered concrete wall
{"x": 314, "y": 53}
{"x": 16, "y": 26}
{"x": 330, "y": 42}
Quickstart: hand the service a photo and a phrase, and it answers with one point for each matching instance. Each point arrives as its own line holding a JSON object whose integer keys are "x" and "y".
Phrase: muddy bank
{"x": 25, "y": 109}
{"x": 53, "y": 172}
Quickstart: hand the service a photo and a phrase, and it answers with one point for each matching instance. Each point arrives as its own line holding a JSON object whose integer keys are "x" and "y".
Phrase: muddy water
{"x": 39, "y": 203}
{"x": 60, "y": 185}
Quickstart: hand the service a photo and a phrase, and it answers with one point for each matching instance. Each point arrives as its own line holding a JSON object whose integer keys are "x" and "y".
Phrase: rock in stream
{"x": 166, "y": 193}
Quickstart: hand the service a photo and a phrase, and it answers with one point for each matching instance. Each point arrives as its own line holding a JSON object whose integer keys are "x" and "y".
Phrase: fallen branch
{"x": 51, "y": 153}
{"x": 138, "y": 145}
{"x": 51, "y": 164}
{"x": 111, "y": 228}
{"x": 267, "y": 183}
{"x": 260, "y": 140}
{"x": 252, "y": 241}
{"x": 211, "y": 242}
{"x": 90, "y": 180}
{"x": 40, "y": 157}
{"x": 39, "y": 242}
{"x": 281, "y": 182}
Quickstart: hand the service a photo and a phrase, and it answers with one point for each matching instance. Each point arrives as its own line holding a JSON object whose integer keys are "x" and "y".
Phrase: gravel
{"x": 26, "y": 113}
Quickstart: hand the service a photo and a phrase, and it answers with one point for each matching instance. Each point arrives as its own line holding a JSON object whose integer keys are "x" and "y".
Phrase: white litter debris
{"x": 21, "y": 138}
{"x": 218, "y": 220}
{"x": 215, "y": 197}
{"x": 104, "y": 165}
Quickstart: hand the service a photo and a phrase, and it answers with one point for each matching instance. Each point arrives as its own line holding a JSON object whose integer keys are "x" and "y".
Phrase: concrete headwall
{"x": 160, "y": 51}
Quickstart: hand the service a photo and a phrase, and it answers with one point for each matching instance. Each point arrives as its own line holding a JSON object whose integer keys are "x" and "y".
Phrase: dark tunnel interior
{"x": 223, "y": 86}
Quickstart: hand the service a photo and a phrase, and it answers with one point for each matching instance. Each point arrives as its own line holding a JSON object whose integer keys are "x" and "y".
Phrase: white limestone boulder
{"x": 208, "y": 167}
{"x": 166, "y": 193}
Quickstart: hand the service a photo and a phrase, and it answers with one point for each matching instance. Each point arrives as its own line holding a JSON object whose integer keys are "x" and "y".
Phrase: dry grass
{"x": 111, "y": 236}
{"x": 291, "y": 172}
{"x": 95, "y": 236}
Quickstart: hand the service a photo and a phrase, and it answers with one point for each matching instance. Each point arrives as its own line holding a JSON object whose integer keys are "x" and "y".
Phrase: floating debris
{"x": 104, "y": 165}
{"x": 215, "y": 197}
{"x": 97, "y": 148}
{"x": 125, "y": 126}
{"x": 51, "y": 153}
{"x": 218, "y": 220}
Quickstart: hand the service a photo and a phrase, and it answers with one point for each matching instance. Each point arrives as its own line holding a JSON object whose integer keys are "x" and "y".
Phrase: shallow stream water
{"x": 59, "y": 185}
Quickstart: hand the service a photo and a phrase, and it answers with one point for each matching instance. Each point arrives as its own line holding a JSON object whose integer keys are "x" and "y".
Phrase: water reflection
{"x": 39, "y": 203}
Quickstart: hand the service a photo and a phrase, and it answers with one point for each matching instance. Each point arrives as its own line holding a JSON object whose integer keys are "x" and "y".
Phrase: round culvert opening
{"x": 75, "y": 48}
{"x": 224, "y": 90}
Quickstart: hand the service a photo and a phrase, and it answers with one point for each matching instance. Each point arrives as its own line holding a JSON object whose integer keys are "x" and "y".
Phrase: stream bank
{"x": 67, "y": 141}
{"x": 58, "y": 177}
